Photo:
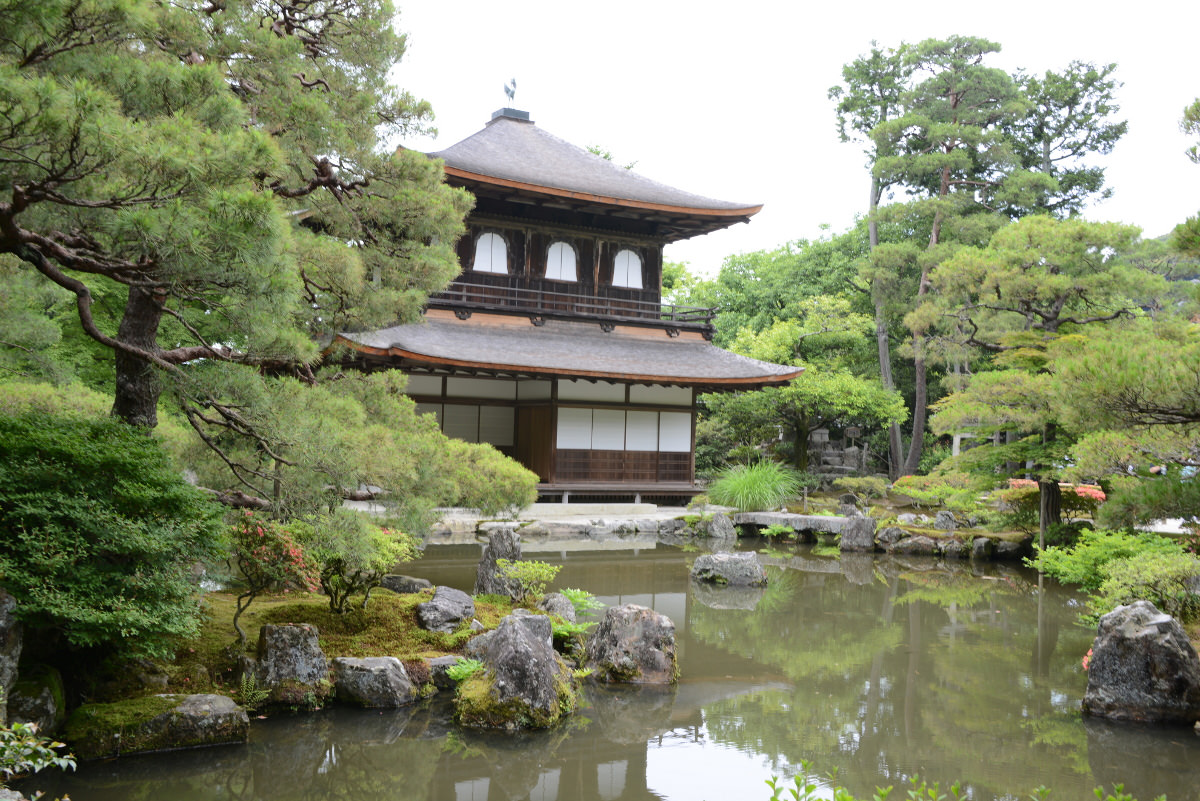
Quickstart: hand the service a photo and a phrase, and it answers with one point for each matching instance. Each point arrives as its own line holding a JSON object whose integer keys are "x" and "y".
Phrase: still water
{"x": 880, "y": 669}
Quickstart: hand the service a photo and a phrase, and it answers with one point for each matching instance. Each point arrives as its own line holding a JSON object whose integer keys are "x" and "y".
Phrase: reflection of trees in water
{"x": 937, "y": 672}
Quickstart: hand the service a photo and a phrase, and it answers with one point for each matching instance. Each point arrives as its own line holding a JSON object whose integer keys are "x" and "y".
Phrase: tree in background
{"x": 974, "y": 147}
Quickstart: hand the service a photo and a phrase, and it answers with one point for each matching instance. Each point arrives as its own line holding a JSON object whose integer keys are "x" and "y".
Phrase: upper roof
{"x": 513, "y": 153}
{"x": 501, "y": 344}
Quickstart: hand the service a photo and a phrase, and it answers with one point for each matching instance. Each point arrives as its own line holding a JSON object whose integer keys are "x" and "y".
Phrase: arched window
{"x": 627, "y": 269}
{"x": 491, "y": 254}
{"x": 560, "y": 262}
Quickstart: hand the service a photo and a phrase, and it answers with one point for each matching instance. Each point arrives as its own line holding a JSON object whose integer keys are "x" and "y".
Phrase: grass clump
{"x": 759, "y": 487}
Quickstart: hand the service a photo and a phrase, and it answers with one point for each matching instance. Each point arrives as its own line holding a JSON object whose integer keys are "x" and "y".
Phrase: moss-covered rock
{"x": 38, "y": 697}
{"x": 155, "y": 723}
{"x": 524, "y": 684}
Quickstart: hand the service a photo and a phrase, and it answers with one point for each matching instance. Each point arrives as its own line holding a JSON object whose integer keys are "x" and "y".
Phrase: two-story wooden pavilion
{"x": 553, "y": 344}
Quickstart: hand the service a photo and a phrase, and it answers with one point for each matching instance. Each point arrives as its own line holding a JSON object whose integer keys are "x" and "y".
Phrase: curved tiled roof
{"x": 515, "y": 151}
{"x": 495, "y": 343}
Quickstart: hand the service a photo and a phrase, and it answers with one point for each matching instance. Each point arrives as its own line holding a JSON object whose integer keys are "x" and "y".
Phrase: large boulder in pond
{"x": 10, "y": 646}
{"x": 503, "y": 543}
{"x": 858, "y": 535}
{"x": 378, "y": 682}
{"x": 524, "y": 683}
{"x": 446, "y": 610}
{"x": 634, "y": 645}
{"x": 730, "y": 569}
{"x": 291, "y": 666}
{"x": 1142, "y": 668}
{"x": 155, "y": 723}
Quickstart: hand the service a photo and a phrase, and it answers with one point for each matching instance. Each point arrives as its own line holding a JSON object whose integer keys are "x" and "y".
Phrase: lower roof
{"x": 511, "y": 345}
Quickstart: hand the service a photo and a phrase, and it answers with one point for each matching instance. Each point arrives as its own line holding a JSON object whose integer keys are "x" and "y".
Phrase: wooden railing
{"x": 616, "y": 304}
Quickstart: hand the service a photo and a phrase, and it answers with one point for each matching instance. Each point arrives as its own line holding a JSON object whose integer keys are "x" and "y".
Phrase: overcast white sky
{"x": 729, "y": 100}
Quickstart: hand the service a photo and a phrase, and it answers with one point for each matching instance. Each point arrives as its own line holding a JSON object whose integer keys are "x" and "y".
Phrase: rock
{"x": 525, "y": 684}
{"x": 719, "y": 526}
{"x": 1142, "y": 668}
{"x": 10, "y": 646}
{"x": 731, "y": 569}
{"x": 375, "y": 682}
{"x": 291, "y": 666}
{"x": 555, "y": 603}
{"x": 446, "y": 610}
{"x": 982, "y": 548}
{"x": 38, "y": 697}
{"x": 908, "y": 518}
{"x": 11, "y": 795}
{"x": 504, "y": 543}
{"x": 848, "y": 510}
{"x": 438, "y": 666}
{"x": 155, "y": 723}
{"x": 919, "y": 545}
{"x": 945, "y": 521}
{"x": 848, "y": 499}
{"x": 890, "y": 535}
{"x": 634, "y": 645}
{"x": 405, "y": 585}
{"x": 858, "y": 535}
{"x": 955, "y": 549}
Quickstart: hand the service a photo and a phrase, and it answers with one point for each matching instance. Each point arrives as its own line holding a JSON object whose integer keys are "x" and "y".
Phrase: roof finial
{"x": 510, "y": 89}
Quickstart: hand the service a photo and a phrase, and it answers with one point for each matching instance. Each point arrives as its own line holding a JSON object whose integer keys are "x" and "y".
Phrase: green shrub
{"x": 352, "y": 553}
{"x": 758, "y": 487}
{"x": 530, "y": 576}
{"x": 487, "y": 480}
{"x": 778, "y": 530}
{"x": 863, "y": 488}
{"x": 937, "y": 489}
{"x": 22, "y": 751}
{"x": 100, "y": 534}
{"x": 1084, "y": 562}
{"x": 584, "y": 602}
{"x": 464, "y": 669}
{"x": 1164, "y": 579}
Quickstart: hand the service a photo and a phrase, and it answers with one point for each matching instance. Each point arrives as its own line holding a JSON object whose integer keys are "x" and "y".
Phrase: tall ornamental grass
{"x": 759, "y": 487}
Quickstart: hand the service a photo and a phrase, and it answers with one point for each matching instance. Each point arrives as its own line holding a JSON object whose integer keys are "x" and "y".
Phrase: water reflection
{"x": 878, "y": 668}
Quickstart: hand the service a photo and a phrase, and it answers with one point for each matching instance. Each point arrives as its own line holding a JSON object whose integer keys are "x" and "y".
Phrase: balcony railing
{"x": 506, "y": 297}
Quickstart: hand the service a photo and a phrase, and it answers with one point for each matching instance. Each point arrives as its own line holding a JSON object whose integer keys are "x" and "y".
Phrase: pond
{"x": 878, "y": 668}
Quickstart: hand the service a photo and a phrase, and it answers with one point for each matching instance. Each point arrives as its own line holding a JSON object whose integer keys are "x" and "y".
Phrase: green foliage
{"x": 100, "y": 533}
{"x": 864, "y": 488}
{"x": 22, "y": 751}
{"x": 762, "y": 486}
{"x": 1021, "y": 503}
{"x": 351, "y": 552}
{"x": 1085, "y": 562}
{"x": 268, "y": 557}
{"x": 250, "y": 695}
{"x": 778, "y": 530}
{"x": 464, "y": 669}
{"x": 938, "y": 489}
{"x": 1166, "y": 579}
{"x": 584, "y": 602}
{"x": 529, "y": 575}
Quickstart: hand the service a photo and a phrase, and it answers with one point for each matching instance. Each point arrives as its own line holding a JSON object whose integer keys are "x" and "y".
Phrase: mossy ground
{"x": 386, "y": 627}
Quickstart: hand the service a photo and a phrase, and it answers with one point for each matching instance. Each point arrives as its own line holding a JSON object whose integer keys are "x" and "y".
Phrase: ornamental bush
{"x": 100, "y": 533}
{"x": 267, "y": 557}
{"x": 1085, "y": 562}
{"x": 352, "y": 554}
{"x": 1021, "y": 503}
{"x": 1164, "y": 579}
{"x": 949, "y": 489}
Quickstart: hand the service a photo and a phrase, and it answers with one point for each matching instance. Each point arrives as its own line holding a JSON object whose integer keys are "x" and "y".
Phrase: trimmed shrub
{"x": 1084, "y": 563}
{"x": 100, "y": 533}
{"x": 1166, "y": 580}
{"x": 352, "y": 554}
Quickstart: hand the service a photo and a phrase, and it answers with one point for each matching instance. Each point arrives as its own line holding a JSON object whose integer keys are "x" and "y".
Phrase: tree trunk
{"x": 882, "y": 343}
{"x": 137, "y": 386}
{"x": 920, "y": 402}
{"x": 1049, "y": 507}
